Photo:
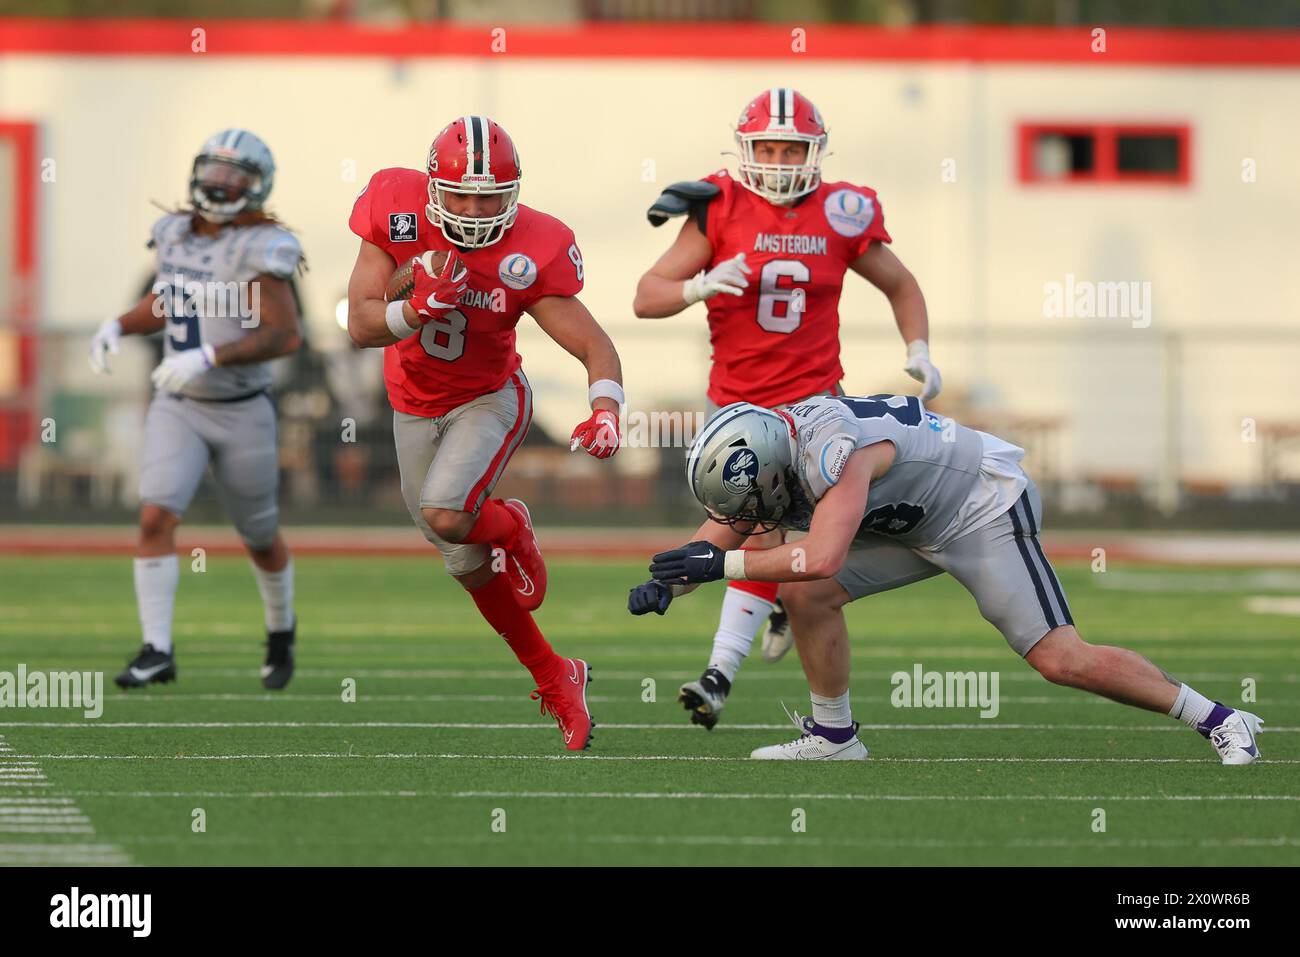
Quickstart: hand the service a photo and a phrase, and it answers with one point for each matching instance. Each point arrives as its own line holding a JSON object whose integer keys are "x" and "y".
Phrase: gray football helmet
{"x": 232, "y": 174}
{"x": 741, "y": 467}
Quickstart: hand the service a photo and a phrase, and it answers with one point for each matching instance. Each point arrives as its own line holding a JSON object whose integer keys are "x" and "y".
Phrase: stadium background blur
{"x": 1009, "y": 151}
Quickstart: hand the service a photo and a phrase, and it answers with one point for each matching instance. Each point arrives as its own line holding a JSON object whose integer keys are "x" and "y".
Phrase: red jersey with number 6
{"x": 471, "y": 351}
{"x": 779, "y": 341}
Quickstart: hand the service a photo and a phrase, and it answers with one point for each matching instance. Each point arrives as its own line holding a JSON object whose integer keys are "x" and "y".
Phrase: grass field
{"x": 443, "y": 733}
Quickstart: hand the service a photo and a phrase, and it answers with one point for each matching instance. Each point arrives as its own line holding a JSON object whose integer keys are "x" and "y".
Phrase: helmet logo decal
{"x": 740, "y": 472}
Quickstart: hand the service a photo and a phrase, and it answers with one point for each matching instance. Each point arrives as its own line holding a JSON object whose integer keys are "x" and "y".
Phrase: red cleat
{"x": 565, "y": 699}
{"x": 524, "y": 565}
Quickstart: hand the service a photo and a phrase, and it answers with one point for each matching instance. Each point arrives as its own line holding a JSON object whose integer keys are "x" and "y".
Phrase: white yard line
{"x": 682, "y": 796}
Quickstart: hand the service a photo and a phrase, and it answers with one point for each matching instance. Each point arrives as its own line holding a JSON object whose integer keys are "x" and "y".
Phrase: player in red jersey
{"x": 461, "y": 403}
{"x": 767, "y": 250}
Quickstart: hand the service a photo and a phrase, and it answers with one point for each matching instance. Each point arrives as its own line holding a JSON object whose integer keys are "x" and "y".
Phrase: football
{"x": 402, "y": 283}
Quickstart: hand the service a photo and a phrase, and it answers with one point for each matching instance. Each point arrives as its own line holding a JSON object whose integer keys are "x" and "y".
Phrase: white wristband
{"x": 733, "y": 565}
{"x": 605, "y": 389}
{"x": 396, "y": 319}
{"x": 918, "y": 347}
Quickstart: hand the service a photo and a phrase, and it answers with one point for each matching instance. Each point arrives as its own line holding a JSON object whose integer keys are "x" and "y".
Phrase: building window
{"x": 1079, "y": 153}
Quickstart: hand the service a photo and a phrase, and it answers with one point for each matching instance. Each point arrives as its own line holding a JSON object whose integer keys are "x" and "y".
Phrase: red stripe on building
{"x": 695, "y": 41}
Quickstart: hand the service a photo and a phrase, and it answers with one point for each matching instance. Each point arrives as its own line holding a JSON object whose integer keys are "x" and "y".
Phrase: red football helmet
{"x": 781, "y": 114}
{"x": 473, "y": 155}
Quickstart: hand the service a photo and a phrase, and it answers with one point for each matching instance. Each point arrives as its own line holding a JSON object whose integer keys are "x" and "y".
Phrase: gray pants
{"x": 454, "y": 461}
{"x": 1001, "y": 565}
{"x": 183, "y": 437}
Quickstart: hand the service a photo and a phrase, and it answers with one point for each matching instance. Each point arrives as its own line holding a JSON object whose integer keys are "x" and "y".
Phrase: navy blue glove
{"x": 650, "y": 597}
{"x": 692, "y": 563}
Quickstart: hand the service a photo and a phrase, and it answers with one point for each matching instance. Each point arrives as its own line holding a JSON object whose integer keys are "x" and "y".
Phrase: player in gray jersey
{"x": 223, "y": 299}
{"x": 892, "y": 494}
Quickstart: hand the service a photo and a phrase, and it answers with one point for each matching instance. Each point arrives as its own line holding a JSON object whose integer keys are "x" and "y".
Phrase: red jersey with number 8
{"x": 471, "y": 351}
{"x": 779, "y": 341}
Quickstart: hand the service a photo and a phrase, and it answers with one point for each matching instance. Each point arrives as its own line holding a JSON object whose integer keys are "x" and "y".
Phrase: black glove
{"x": 651, "y": 597}
{"x": 692, "y": 563}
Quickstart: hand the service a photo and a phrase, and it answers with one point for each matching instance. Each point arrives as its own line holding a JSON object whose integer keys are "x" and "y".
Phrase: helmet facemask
{"x": 473, "y": 232}
{"x": 780, "y": 183}
{"x": 222, "y": 188}
{"x": 761, "y": 512}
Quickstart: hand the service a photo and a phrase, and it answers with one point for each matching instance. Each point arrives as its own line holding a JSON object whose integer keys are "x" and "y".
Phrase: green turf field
{"x": 443, "y": 732}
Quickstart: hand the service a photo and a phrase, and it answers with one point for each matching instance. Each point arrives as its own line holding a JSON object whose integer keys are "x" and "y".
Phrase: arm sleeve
{"x": 564, "y": 274}
{"x": 875, "y": 231}
{"x": 362, "y": 220}
{"x": 277, "y": 254}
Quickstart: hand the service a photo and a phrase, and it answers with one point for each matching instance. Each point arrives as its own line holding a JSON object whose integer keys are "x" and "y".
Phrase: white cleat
{"x": 813, "y": 747}
{"x": 777, "y": 637}
{"x": 1235, "y": 739}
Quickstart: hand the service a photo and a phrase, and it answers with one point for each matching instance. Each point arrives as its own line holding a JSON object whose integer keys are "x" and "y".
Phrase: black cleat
{"x": 705, "y": 698}
{"x": 148, "y": 666}
{"x": 278, "y": 668}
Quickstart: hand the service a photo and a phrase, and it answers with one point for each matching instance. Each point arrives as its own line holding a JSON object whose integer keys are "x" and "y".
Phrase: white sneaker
{"x": 777, "y": 637}
{"x": 813, "y": 747}
{"x": 1235, "y": 738}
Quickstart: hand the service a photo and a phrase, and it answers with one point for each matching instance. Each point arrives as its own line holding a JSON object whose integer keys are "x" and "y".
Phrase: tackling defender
{"x": 223, "y": 294}
{"x": 891, "y": 494}
{"x": 461, "y": 403}
{"x": 777, "y": 344}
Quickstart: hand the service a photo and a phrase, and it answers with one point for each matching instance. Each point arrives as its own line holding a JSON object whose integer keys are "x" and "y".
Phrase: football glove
{"x": 727, "y": 276}
{"x": 598, "y": 435}
{"x": 692, "y": 563}
{"x": 435, "y": 296}
{"x": 107, "y": 339}
{"x": 920, "y": 368}
{"x": 176, "y": 370}
{"x": 652, "y": 596}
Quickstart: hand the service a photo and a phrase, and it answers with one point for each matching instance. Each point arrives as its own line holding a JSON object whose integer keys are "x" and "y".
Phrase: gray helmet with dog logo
{"x": 233, "y": 173}
{"x": 740, "y": 466}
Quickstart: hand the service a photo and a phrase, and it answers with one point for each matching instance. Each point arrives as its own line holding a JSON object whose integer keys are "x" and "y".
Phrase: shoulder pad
{"x": 678, "y": 199}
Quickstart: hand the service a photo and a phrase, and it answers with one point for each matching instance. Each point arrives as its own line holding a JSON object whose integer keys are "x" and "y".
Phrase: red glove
{"x": 598, "y": 436}
{"x": 435, "y": 296}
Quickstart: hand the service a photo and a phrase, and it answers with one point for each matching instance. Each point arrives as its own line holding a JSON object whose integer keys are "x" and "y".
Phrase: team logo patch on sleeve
{"x": 402, "y": 228}
{"x": 517, "y": 271}
{"x": 849, "y": 212}
{"x": 835, "y": 454}
{"x": 741, "y": 472}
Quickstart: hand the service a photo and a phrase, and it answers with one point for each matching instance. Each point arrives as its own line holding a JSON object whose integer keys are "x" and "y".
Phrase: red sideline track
{"x": 633, "y": 544}
{"x": 706, "y": 41}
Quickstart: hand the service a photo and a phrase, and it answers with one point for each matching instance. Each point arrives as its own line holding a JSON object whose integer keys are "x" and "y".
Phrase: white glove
{"x": 920, "y": 368}
{"x": 107, "y": 338}
{"x": 174, "y": 371}
{"x": 727, "y": 276}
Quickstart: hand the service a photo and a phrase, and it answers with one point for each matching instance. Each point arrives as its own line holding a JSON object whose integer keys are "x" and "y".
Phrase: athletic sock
{"x": 1194, "y": 710}
{"x": 495, "y": 525}
{"x": 277, "y": 596}
{"x": 742, "y": 615}
{"x": 156, "y": 578}
{"x": 833, "y": 714}
{"x": 496, "y": 603}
